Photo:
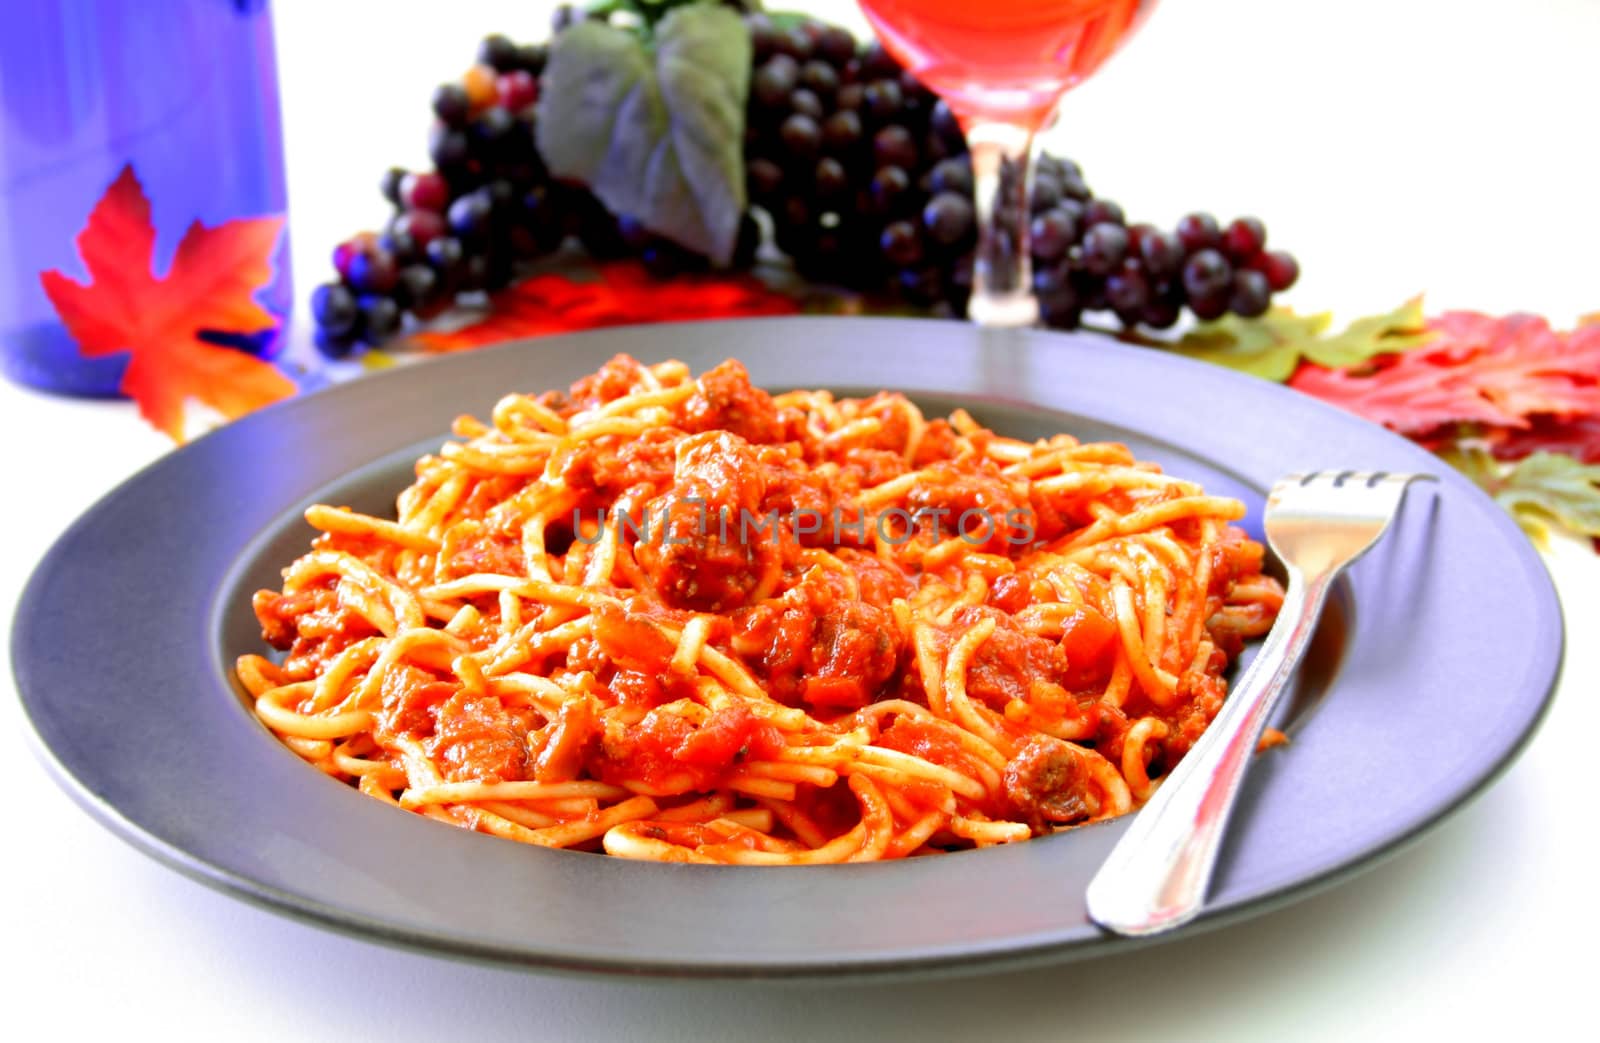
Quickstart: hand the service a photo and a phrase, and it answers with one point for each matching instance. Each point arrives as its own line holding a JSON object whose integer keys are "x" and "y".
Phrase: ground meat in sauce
{"x": 1009, "y": 661}
{"x": 725, "y": 399}
{"x": 1048, "y": 783}
{"x": 471, "y": 547}
{"x": 1000, "y": 518}
{"x": 477, "y": 739}
{"x": 695, "y": 555}
{"x": 310, "y": 624}
{"x": 812, "y": 646}
{"x": 606, "y": 467}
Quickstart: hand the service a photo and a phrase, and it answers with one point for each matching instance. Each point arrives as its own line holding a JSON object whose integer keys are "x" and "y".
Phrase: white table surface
{"x": 1395, "y": 145}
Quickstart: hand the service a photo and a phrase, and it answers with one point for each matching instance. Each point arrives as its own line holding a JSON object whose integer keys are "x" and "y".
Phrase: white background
{"x": 1394, "y": 145}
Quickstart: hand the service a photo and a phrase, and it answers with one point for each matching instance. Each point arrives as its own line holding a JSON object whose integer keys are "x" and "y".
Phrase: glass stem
{"x": 1002, "y": 173}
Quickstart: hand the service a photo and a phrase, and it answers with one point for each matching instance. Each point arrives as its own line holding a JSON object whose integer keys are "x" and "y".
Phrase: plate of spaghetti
{"x": 793, "y": 647}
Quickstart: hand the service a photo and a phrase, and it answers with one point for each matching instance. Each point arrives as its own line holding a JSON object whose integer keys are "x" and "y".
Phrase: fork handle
{"x": 1156, "y": 877}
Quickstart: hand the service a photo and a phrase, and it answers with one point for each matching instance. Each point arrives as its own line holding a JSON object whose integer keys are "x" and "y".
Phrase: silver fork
{"x": 1156, "y": 877}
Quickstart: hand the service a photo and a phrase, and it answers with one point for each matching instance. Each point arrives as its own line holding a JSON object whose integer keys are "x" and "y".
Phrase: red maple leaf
{"x": 1578, "y": 437}
{"x": 625, "y": 293}
{"x": 1502, "y": 373}
{"x": 210, "y": 286}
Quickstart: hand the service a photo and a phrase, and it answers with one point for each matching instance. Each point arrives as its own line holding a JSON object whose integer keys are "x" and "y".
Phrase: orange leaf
{"x": 623, "y": 294}
{"x": 210, "y": 286}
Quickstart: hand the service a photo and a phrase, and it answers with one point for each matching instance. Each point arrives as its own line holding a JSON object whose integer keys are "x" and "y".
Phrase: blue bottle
{"x": 184, "y": 91}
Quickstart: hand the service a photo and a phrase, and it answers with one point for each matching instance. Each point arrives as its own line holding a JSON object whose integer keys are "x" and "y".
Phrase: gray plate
{"x": 1429, "y": 674}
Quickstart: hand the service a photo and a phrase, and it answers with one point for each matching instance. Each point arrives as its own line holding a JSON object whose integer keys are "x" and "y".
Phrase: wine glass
{"x": 1002, "y": 65}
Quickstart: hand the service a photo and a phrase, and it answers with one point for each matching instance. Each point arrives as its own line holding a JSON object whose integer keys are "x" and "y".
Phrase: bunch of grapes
{"x": 862, "y": 172}
{"x": 868, "y": 183}
{"x": 487, "y": 205}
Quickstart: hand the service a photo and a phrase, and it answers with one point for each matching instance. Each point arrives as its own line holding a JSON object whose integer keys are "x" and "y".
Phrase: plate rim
{"x": 1013, "y": 953}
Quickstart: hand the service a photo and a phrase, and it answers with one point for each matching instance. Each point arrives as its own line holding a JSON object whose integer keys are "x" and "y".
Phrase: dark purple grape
{"x": 498, "y": 51}
{"x": 1052, "y": 233}
{"x": 421, "y": 227}
{"x": 922, "y": 286}
{"x": 1209, "y": 308}
{"x": 451, "y": 104}
{"x": 1058, "y": 296}
{"x": 448, "y": 146}
{"x": 1198, "y": 231}
{"x": 1046, "y": 193}
{"x": 805, "y": 102}
{"x": 1128, "y": 291}
{"x": 830, "y": 180}
{"x": 492, "y": 128}
{"x": 1251, "y": 294}
{"x": 852, "y": 97}
{"x": 1243, "y": 239}
{"x": 1102, "y": 212}
{"x": 901, "y": 244}
{"x": 818, "y": 76}
{"x": 877, "y": 63}
{"x": 390, "y": 183}
{"x": 1280, "y": 268}
{"x": 1058, "y": 167}
{"x": 1160, "y": 313}
{"x": 1104, "y": 247}
{"x": 474, "y": 273}
{"x": 1091, "y": 291}
{"x": 952, "y": 175}
{"x": 841, "y": 132}
{"x": 397, "y": 243}
{"x": 372, "y": 271}
{"x": 470, "y": 215}
{"x": 890, "y": 186}
{"x": 333, "y": 307}
{"x": 445, "y": 256}
{"x": 1161, "y": 253}
{"x": 539, "y": 216}
{"x": 763, "y": 37}
{"x": 380, "y": 318}
{"x": 949, "y": 219}
{"x": 416, "y": 285}
{"x": 333, "y": 345}
{"x": 1073, "y": 187}
{"x": 893, "y": 147}
{"x": 942, "y": 121}
{"x": 502, "y": 194}
{"x": 1207, "y": 276}
{"x": 801, "y": 136}
{"x": 795, "y": 42}
{"x": 883, "y": 99}
{"x": 775, "y": 81}
{"x": 764, "y": 177}
{"x": 835, "y": 44}
{"x": 532, "y": 58}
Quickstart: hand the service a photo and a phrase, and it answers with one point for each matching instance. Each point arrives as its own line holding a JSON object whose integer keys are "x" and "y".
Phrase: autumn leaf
{"x": 1577, "y": 437}
{"x": 1544, "y": 489}
{"x": 210, "y": 286}
{"x": 1273, "y": 345}
{"x": 623, "y": 294}
{"x": 1500, "y": 372}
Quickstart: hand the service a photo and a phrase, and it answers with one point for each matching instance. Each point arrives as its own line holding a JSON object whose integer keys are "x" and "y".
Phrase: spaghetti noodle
{"x": 685, "y": 620}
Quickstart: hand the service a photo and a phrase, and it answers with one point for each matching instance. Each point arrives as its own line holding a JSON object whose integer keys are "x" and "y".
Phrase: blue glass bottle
{"x": 183, "y": 90}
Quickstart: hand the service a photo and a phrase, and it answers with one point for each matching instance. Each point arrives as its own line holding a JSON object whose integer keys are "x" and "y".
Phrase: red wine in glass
{"x": 1002, "y": 65}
